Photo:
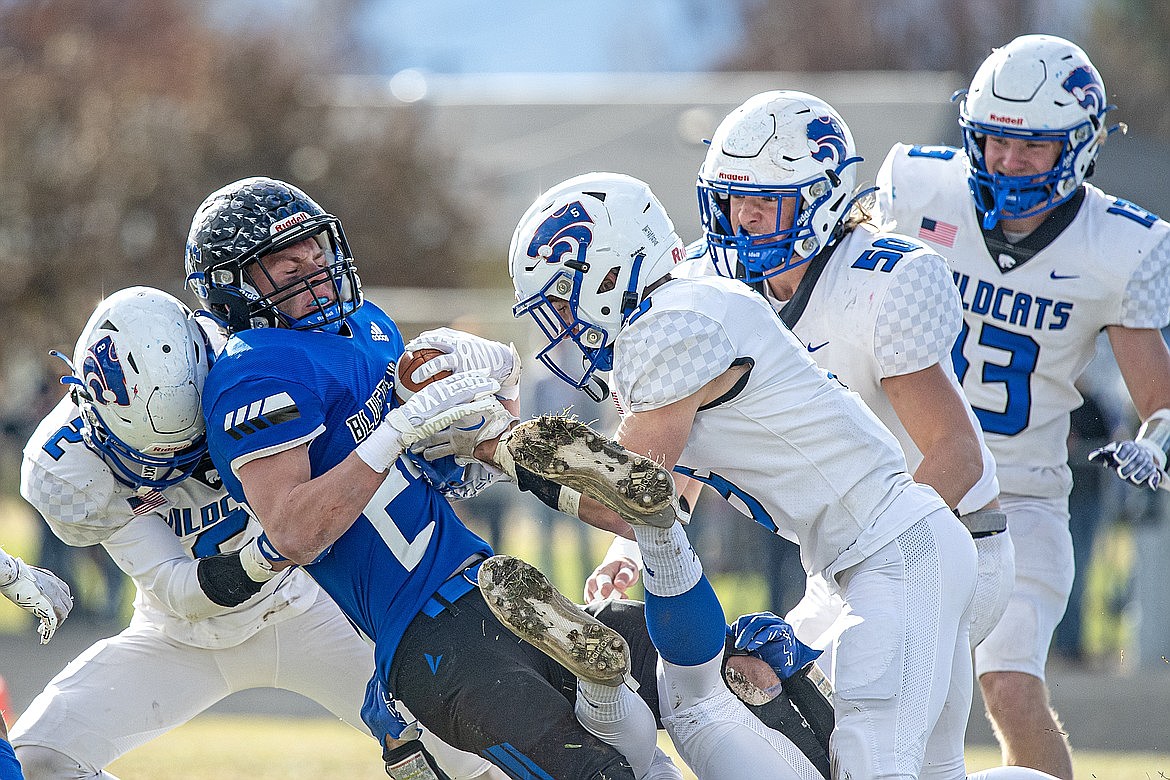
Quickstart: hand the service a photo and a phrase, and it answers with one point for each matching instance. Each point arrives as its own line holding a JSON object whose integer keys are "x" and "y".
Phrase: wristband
{"x": 257, "y": 557}
{"x": 1155, "y": 434}
{"x": 381, "y": 448}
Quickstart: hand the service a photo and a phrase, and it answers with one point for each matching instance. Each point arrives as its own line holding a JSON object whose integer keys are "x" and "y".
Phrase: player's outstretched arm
{"x": 37, "y": 591}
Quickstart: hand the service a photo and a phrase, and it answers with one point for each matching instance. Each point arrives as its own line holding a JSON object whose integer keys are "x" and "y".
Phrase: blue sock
{"x": 688, "y": 629}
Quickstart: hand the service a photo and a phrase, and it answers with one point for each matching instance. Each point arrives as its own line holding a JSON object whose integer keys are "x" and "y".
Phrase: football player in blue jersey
{"x": 307, "y": 432}
{"x": 121, "y": 462}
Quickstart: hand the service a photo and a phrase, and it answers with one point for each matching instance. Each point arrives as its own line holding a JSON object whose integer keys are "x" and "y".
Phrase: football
{"x": 404, "y": 386}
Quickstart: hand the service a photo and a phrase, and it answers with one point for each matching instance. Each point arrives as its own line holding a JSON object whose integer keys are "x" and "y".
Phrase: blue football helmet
{"x": 786, "y": 145}
{"x": 240, "y": 223}
{"x": 590, "y": 245}
{"x": 1039, "y": 88}
{"x": 137, "y": 374}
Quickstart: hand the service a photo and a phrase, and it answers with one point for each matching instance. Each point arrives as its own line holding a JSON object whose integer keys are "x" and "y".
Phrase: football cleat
{"x": 570, "y": 453}
{"x": 526, "y": 602}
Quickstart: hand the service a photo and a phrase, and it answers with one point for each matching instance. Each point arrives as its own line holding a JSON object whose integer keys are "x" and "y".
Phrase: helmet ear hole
{"x": 610, "y": 280}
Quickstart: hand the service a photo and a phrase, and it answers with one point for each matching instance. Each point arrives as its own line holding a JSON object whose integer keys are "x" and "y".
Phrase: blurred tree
{"x": 843, "y": 35}
{"x": 1129, "y": 45}
{"x": 120, "y": 116}
{"x": 1126, "y": 39}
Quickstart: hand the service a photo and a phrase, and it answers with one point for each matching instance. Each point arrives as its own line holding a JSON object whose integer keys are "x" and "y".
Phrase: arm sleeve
{"x": 667, "y": 356}
{"x": 148, "y": 551}
{"x": 1147, "y": 294}
{"x": 919, "y": 318}
{"x": 78, "y": 517}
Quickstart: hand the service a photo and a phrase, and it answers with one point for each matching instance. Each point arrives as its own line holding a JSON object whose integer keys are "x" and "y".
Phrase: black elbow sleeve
{"x": 223, "y": 579}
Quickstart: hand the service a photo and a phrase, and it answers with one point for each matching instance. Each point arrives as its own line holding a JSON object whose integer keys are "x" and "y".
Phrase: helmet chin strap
{"x": 598, "y": 393}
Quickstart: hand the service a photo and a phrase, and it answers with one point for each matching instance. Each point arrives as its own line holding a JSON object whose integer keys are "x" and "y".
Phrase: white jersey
{"x": 155, "y": 537}
{"x": 790, "y": 447}
{"x": 1030, "y": 322}
{"x": 881, "y": 306}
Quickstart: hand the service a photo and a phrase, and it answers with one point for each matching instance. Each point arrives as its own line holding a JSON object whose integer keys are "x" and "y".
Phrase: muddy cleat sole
{"x": 570, "y": 453}
{"x": 526, "y": 602}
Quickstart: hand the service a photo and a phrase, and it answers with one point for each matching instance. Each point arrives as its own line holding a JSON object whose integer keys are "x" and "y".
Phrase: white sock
{"x": 669, "y": 563}
{"x": 619, "y": 718}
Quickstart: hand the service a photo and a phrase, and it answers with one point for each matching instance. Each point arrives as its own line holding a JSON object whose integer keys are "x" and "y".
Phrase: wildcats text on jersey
{"x": 1014, "y": 307}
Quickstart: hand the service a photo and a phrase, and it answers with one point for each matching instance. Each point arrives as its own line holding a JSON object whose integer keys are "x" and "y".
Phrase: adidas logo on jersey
{"x": 376, "y": 333}
{"x": 259, "y": 415}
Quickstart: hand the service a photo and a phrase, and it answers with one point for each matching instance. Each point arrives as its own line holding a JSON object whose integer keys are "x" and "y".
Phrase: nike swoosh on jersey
{"x": 1055, "y": 275}
{"x": 811, "y": 348}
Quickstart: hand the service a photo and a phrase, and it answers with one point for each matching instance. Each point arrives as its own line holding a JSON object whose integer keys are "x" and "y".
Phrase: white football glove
{"x": 1137, "y": 462}
{"x": 468, "y": 352}
{"x": 428, "y": 411}
{"x": 35, "y": 590}
{"x": 461, "y": 437}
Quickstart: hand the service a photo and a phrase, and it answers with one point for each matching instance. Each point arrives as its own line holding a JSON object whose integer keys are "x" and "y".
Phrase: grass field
{"x": 252, "y": 748}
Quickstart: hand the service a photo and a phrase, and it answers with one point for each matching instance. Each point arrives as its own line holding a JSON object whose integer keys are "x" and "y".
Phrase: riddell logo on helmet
{"x": 1008, "y": 120}
{"x": 288, "y": 222}
{"x": 728, "y": 176}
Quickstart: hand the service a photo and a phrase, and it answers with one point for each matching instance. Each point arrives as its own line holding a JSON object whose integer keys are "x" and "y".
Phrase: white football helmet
{"x": 786, "y": 145}
{"x": 1042, "y": 88}
{"x": 594, "y": 242}
{"x": 138, "y": 371}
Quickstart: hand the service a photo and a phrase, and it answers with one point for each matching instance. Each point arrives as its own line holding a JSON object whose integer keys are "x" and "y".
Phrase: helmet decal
{"x": 566, "y": 230}
{"x": 826, "y": 139}
{"x": 288, "y": 222}
{"x": 1084, "y": 85}
{"x": 103, "y": 374}
{"x": 580, "y": 307}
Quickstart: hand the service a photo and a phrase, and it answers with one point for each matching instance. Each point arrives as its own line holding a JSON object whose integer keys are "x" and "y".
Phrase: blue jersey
{"x": 9, "y": 766}
{"x": 273, "y": 389}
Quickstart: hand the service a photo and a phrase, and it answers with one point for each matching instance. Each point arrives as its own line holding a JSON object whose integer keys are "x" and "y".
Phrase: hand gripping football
{"x": 404, "y": 384}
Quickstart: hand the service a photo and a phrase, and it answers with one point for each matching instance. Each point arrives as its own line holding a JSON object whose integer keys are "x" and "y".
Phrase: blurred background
{"x": 428, "y": 126}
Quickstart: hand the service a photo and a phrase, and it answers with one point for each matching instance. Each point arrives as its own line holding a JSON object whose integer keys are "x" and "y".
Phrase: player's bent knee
{"x": 718, "y": 737}
{"x": 39, "y": 762}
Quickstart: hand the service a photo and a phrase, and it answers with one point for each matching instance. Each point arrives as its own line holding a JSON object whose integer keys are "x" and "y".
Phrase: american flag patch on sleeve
{"x": 938, "y": 232}
{"x": 141, "y": 505}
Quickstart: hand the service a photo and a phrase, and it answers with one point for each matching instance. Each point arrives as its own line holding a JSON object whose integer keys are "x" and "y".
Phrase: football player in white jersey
{"x": 121, "y": 462}
{"x": 876, "y": 309}
{"x": 713, "y": 385}
{"x": 1043, "y": 262}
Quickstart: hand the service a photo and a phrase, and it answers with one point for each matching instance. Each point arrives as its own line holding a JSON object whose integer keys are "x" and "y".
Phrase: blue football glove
{"x": 1135, "y": 462}
{"x": 381, "y": 716}
{"x": 769, "y": 637}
